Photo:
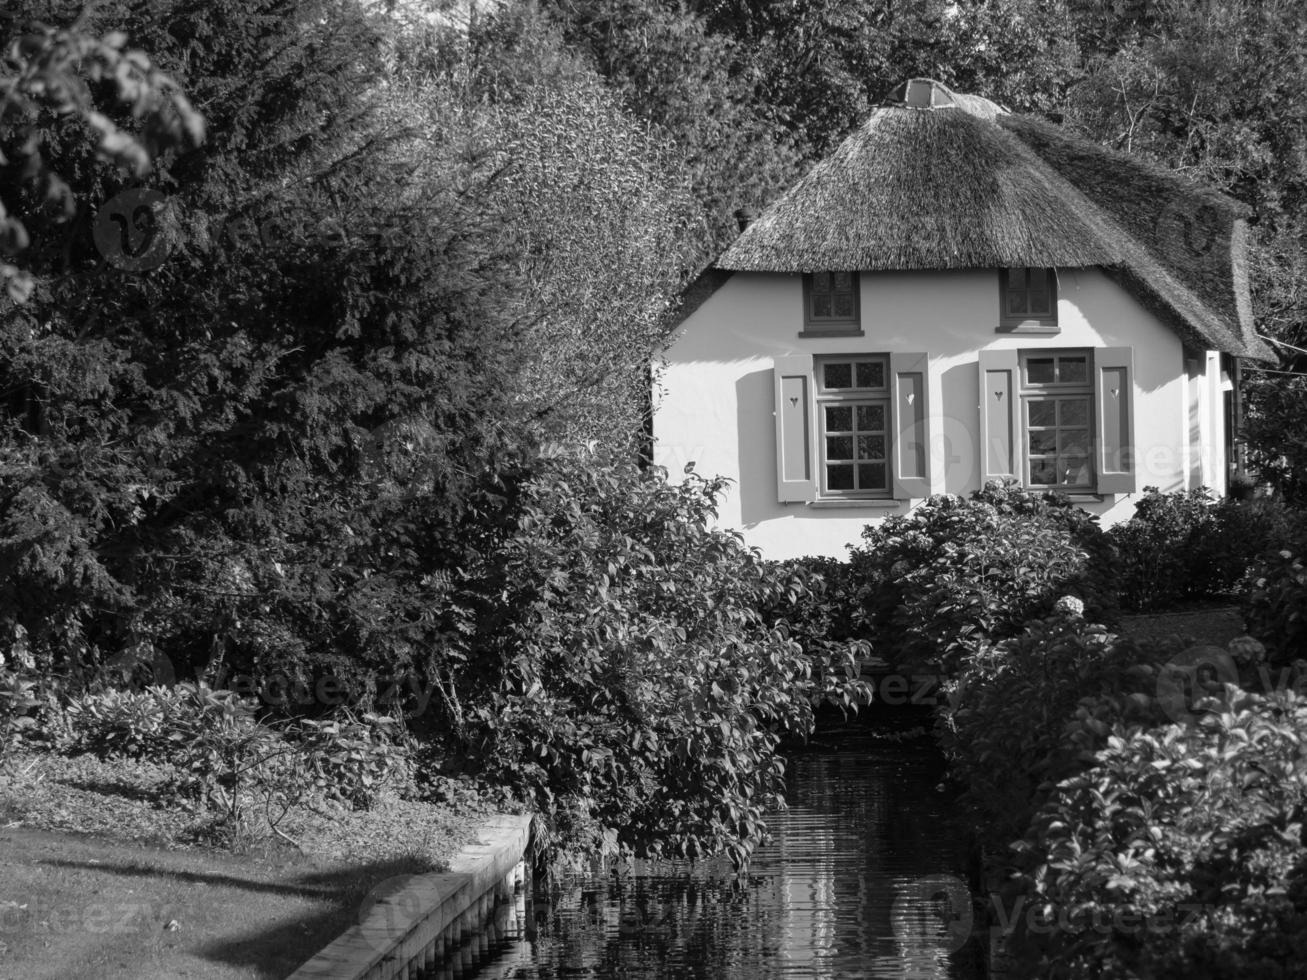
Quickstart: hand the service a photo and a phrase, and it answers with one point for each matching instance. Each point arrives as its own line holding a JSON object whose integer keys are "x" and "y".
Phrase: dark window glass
{"x": 871, "y": 447}
{"x": 1073, "y": 370}
{"x": 838, "y": 375}
{"x": 871, "y": 418}
{"x": 839, "y": 418}
{"x": 871, "y": 476}
{"x": 871, "y": 374}
{"x": 839, "y": 477}
{"x": 1040, "y": 370}
{"x": 1043, "y": 412}
{"x": 839, "y": 447}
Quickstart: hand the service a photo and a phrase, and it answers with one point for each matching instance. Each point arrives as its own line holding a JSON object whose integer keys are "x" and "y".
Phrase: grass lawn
{"x": 140, "y": 897}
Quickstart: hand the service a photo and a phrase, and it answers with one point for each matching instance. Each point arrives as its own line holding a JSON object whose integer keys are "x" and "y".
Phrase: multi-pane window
{"x": 1029, "y": 297}
{"x": 853, "y": 411}
{"x": 831, "y": 299}
{"x": 1057, "y": 400}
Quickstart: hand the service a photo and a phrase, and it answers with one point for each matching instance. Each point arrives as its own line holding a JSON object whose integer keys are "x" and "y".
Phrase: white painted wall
{"x": 713, "y": 399}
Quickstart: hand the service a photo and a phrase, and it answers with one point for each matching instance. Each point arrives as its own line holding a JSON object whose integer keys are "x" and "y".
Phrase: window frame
{"x": 1039, "y": 322}
{"x": 1056, "y": 391}
{"x": 853, "y": 397}
{"x": 832, "y": 326}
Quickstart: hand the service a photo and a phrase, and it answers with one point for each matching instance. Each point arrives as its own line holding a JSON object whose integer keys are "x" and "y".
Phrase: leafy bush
{"x": 17, "y": 699}
{"x": 134, "y": 724}
{"x": 1167, "y": 549}
{"x": 17, "y": 696}
{"x": 621, "y": 673}
{"x": 826, "y": 621}
{"x": 227, "y": 756}
{"x": 1252, "y": 529}
{"x": 1186, "y": 545}
{"x": 1275, "y": 605}
{"x": 1135, "y": 835}
{"x": 955, "y": 573}
{"x": 351, "y": 759}
{"x": 1004, "y": 756}
{"x": 1179, "y": 852}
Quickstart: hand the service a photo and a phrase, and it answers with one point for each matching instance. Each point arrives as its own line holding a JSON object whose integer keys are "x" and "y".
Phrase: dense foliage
{"x": 1180, "y": 852}
{"x": 1153, "y": 797}
{"x": 619, "y": 670}
{"x": 953, "y": 573}
{"x": 1275, "y": 605}
{"x": 1186, "y": 545}
{"x": 47, "y": 70}
{"x": 405, "y": 259}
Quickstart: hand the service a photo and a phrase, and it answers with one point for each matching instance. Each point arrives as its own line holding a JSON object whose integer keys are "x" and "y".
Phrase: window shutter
{"x": 1000, "y": 426}
{"x": 1114, "y": 420}
{"x": 911, "y": 452}
{"x": 794, "y": 424}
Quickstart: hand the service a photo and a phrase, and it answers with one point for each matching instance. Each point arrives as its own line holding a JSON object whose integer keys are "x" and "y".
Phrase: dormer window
{"x": 1029, "y": 300}
{"x": 830, "y": 303}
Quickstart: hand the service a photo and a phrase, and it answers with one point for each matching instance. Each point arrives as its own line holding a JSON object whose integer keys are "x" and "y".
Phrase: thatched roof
{"x": 940, "y": 180}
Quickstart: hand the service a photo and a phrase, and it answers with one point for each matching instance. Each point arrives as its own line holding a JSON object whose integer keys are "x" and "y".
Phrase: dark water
{"x": 866, "y": 878}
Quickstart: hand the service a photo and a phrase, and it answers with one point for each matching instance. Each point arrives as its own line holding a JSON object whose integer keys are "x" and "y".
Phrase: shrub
{"x": 1135, "y": 836}
{"x": 954, "y": 573}
{"x": 1186, "y": 545}
{"x": 134, "y": 724}
{"x": 826, "y": 621}
{"x": 630, "y": 670}
{"x": 226, "y": 755}
{"x": 1004, "y": 756}
{"x": 1275, "y": 605}
{"x": 1179, "y": 852}
{"x": 1166, "y": 549}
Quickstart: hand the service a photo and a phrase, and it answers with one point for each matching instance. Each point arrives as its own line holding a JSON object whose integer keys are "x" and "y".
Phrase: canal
{"x": 867, "y": 877}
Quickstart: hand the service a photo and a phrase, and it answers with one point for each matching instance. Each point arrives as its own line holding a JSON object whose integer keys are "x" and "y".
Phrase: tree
{"x": 41, "y": 74}
{"x": 191, "y": 453}
{"x": 1219, "y": 92}
{"x": 697, "y": 88}
{"x": 598, "y": 213}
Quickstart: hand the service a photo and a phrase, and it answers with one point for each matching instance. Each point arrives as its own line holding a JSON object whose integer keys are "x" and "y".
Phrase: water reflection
{"x": 864, "y": 879}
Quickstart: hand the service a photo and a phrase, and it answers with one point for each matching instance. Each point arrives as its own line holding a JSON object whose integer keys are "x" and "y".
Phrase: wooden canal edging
{"x": 417, "y": 925}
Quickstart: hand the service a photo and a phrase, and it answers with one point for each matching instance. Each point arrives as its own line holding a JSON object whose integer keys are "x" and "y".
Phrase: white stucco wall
{"x": 713, "y": 398}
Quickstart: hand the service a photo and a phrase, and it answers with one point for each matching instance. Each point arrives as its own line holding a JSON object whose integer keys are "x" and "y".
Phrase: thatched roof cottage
{"x": 958, "y": 294}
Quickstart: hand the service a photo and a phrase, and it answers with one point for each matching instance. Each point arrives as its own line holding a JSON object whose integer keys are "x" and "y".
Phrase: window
{"x": 1029, "y": 300}
{"x": 1058, "y": 418}
{"x": 1057, "y": 407}
{"x": 830, "y": 303}
{"x": 853, "y": 415}
{"x": 851, "y": 427}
